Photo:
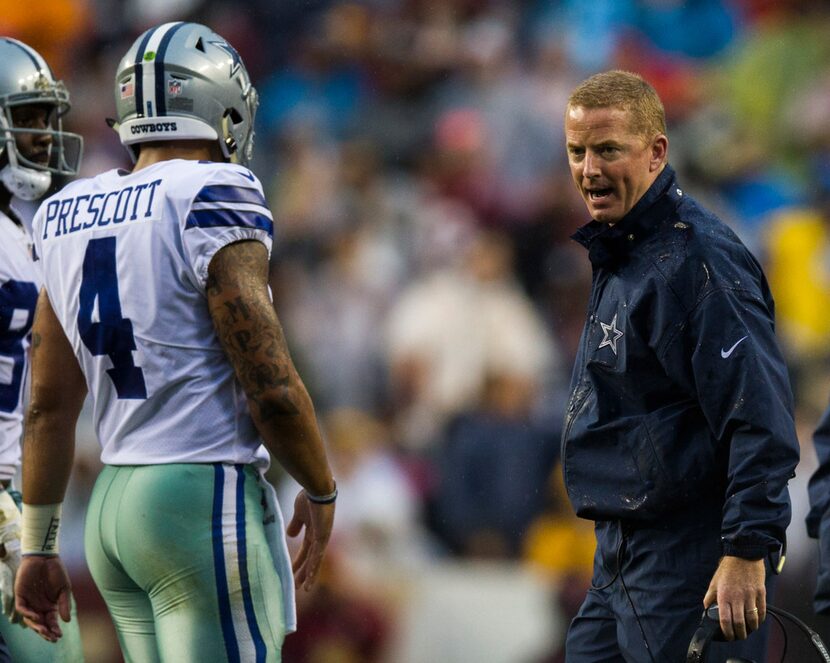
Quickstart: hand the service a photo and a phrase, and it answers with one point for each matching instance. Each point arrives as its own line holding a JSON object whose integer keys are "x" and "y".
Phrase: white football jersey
{"x": 19, "y": 285}
{"x": 124, "y": 260}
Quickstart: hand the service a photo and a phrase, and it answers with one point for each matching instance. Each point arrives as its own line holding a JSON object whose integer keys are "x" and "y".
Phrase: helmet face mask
{"x": 182, "y": 81}
{"x": 28, "y": 90}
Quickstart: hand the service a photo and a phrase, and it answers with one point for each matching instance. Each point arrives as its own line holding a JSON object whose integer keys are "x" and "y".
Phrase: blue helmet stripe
{"x": 161, "y": 98}
{"x": 30, "y": 53}
{"x": 138, "y": 74}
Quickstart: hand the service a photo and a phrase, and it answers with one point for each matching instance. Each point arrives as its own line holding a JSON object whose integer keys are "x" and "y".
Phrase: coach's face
{"x": 611, "y": 165}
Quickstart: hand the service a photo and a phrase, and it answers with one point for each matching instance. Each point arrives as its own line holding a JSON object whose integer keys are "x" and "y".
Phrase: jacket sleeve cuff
{"x": 772, "y": 551}
{"x": 745, "y": 551}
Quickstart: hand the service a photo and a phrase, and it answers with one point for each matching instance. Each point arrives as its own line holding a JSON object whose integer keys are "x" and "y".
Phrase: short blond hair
{"x": 627, "y": 91}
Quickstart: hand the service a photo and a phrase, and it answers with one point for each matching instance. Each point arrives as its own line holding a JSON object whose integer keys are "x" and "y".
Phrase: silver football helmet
{"x": 27, "y": 80}
{"x": 182, "y": 81}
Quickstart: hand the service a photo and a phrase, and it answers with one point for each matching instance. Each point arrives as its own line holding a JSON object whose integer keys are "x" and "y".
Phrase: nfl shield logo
{"x": 174, "y": 87}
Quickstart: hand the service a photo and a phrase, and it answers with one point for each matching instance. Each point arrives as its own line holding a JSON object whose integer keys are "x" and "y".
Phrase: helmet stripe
{"x": 145, "y": 101}
{"x": 138, "y": 73}
{"x": 40, "y": 64}
{"x": 161, "y": 93}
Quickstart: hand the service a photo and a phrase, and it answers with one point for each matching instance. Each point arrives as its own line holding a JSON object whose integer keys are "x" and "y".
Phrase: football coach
{"x": 679, "y": 437}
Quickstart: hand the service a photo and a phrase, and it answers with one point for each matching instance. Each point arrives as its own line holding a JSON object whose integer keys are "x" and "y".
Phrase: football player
{"x": 33, "y": 148}
{"x": 156, "y": 299}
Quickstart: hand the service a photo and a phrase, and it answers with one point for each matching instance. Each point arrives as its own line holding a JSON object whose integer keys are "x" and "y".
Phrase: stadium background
{"x": 413, "y": 156}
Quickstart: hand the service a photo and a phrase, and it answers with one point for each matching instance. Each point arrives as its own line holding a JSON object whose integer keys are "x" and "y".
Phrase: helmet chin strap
{"x": 25, "y": 183}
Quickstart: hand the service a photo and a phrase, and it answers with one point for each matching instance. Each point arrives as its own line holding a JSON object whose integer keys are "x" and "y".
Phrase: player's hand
{"x": 9, "y": 551}
{"x": 42, "y": 593}
{"x": 317, "y": 520}
{"x": 738, "y": 589}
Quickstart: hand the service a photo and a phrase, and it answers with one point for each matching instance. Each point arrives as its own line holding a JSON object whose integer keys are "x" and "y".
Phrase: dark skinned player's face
{"x": 35, "y": 147}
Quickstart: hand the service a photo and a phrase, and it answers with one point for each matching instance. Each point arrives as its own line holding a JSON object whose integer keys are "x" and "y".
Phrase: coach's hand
{"x": 738, "y": 589}
{"x": 318, "y": 520}
{"x": 42, "y": 593}
{"x": 9, "y": 551}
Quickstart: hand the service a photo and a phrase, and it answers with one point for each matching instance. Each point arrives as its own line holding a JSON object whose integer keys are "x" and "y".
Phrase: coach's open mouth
{"x": 598, "y": 195}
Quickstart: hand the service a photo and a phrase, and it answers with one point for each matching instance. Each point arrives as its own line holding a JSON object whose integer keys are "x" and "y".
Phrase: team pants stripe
{"x": 231, "y": 647}
{"x": 250, "y": 615}
{"x": 243, "y": 639}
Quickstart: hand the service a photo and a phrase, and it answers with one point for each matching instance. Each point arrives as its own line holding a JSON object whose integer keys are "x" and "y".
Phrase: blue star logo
{"x": 236, "y": 61}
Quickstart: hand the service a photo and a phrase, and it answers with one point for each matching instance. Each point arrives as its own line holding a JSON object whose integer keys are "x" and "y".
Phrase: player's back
{"x": 125, "y": 259}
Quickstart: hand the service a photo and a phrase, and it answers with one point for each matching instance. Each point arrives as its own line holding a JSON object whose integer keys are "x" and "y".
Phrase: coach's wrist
{"x": 41, "y": 523}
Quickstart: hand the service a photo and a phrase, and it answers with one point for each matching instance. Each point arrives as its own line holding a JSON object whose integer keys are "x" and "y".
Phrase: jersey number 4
{"x": 108, "y": 332}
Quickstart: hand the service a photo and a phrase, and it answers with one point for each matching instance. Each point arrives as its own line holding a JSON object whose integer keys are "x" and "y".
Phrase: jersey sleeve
{"x": 228, "y": 207}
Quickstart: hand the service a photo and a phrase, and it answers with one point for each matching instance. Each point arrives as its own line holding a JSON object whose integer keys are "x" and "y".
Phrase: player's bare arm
{"x": 251, "y": 335}
{"x": 42, "y": 588}
{"x": 58, "y": 393}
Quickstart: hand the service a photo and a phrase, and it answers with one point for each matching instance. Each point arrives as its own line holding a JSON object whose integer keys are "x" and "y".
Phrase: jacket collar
{"x": 609, "y": 245}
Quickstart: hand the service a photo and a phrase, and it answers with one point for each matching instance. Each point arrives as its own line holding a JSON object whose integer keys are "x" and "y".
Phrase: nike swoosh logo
{"x": 725, "y": 353}
{"x": 247, "y": 175}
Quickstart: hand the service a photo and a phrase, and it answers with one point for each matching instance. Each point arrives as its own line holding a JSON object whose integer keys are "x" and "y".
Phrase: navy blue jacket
{"x": 818, "y": 520}
{"x": 680, "y": 396}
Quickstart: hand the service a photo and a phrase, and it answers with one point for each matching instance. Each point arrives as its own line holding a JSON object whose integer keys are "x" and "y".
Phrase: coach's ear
{"x": 659, "y": 152}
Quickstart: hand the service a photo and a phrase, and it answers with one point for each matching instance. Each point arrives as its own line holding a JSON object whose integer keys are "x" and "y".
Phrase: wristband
{"x": 40, "y": 529}
{"x": 323, "y": 499}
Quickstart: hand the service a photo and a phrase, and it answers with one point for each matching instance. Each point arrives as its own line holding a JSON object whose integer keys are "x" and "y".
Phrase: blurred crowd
{"x": 413, "y": 156}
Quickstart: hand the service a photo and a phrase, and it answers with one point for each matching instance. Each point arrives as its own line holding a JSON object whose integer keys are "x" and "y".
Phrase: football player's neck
{"x": 192, "y": 150}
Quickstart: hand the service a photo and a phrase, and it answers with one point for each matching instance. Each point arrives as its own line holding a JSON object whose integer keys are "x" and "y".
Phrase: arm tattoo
{"x": 237, "y": 310}
{"x": 249, "y": 330}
